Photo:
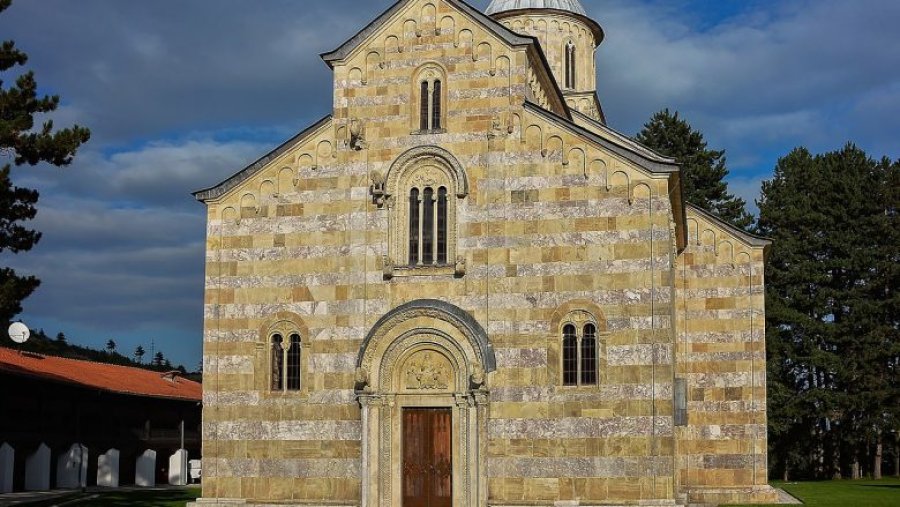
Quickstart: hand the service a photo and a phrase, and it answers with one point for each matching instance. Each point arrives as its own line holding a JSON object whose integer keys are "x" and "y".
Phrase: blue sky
{"x": 180, "y": 94}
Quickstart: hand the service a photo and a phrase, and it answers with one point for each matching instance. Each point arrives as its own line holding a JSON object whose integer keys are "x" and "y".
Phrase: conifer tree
{"x": 831, "y": 340}
{"x": 25, "y": 144}
{"x": 703, "y": 169}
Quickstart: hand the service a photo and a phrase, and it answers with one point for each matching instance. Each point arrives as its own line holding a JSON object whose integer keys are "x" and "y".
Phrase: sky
{"x": 180, "y": 94}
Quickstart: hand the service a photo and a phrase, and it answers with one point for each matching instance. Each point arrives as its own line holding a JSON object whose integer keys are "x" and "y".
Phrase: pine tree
{"x": 111, "y": 346}
{"x": 703, "y": 169}
{"x": 830, "y": 340}
{"x": 61, "y": 337}
{"x": 158, "y": 359}
{"x": 26, "y": 145}
{"x": 139, "y": 354}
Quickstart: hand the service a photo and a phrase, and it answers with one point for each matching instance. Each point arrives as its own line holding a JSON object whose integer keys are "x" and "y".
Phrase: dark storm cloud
{"x": 182, "y": 93}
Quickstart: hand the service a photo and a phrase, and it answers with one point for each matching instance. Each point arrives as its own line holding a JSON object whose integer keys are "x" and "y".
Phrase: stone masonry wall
{"x": 551, "y": 223}
{"x": 721, "y": 355}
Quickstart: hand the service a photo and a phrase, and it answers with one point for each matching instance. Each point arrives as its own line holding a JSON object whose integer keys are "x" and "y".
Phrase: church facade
{"x": 462, "y": 288}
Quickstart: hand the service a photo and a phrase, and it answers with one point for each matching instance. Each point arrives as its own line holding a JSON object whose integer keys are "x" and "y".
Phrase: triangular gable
{"x": 485, "y": 21}
{"x": 489, "y": 24}
{"x": 246, "y": 173}
{"x": 748, "y": 239}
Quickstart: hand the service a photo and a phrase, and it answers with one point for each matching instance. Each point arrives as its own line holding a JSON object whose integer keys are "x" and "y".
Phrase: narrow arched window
{"x": 570, "y": 356}
{"x": 414, "y": 217}
{"x": 570, "y": 65}
{"x": 442, "y": 226}
{"x": 589, "y": 355}
{"x": 424, "y": 106}
{"x": 277, "y": 370}
{"x": 293, "y": 364}
{"x": 431, "y": 100}
{"x": 428, "y": 226}
{"x": 436, "y": 106}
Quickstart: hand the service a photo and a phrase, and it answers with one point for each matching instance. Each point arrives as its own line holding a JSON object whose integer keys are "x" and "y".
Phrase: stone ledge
{"x": 713, "y": 496}
{"x": 229, "y": 502}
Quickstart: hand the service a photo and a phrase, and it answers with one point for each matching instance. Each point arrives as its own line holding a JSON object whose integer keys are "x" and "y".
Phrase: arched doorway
{"x": 421, "y": 382}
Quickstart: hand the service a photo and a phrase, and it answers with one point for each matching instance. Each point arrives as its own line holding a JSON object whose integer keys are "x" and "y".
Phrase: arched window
{"x": 414, "y": 221}
{"x": 425, "y": 106}
{"x": 427, "y": 226}
{"x": 580, "y": 350}
{"x": 286, "y": 371}
{"x": 570, "y": 65}
{"x": 277, "y": 362}
{"x": 570, "y": 356}
{"x": 442, "y": 226}
{"x": 429, "y": 86}
{"x": 589, "y": 355}
{"x": 293, "y": 364}
{"x": 422, "y": 191}
{"x": 436, "y": 105}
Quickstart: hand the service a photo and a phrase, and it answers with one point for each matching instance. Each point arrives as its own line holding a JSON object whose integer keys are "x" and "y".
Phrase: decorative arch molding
{"x": 577, "y": 312}
{"x": 285, "y": 324}
{"x": 461, "y": 320}
{"x": 424, "y": 354}
{"x": 431, "y": 155}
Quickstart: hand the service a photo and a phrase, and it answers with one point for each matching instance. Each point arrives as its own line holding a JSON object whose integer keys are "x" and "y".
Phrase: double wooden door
{"x": 427, "y": 458}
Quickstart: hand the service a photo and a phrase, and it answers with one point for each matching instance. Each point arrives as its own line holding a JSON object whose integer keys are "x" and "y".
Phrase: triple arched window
{"x": 570, "y": 66}
{"x": 428, "y": 223}
{"x": 286, "y": 354}
{"x": 580, "y": 353}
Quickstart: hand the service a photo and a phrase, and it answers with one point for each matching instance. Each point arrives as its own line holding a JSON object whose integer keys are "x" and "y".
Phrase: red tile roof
{"x": 106, "y": 377}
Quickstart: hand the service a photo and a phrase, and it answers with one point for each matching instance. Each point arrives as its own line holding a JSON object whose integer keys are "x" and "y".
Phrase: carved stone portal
{"x": 427, "y": 371}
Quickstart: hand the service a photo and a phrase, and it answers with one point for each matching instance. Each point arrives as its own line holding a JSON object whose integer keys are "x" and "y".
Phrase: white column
{"x": 108, "y": 469}
{"x": 7, "y": 462}
{"x": 178, "y": 468}
{"x": 37, "y": 470}
{"x": 71, "y": 468}
{"x": 145, "y": 469}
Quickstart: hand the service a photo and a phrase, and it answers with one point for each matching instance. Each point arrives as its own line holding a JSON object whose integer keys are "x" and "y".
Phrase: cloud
{"x": 123, "y": 242}
{"x": 785, "y": 69}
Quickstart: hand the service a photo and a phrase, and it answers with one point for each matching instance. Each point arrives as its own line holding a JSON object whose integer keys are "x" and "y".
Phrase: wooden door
{"x": 427, "y": 458}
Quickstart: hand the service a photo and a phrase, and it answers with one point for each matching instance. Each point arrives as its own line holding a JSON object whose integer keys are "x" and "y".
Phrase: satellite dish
{"x": 19, "y": 332}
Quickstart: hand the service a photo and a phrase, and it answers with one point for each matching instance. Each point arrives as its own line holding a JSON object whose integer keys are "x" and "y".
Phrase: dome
{"x": 498, "y": 6}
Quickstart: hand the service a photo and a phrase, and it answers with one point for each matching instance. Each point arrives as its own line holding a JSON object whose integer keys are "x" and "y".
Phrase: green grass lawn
{"x": 167, "y": 498}
{"x": 863, "y": 493}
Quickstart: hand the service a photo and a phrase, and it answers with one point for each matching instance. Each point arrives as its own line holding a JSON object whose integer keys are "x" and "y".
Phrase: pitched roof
{"x": 104, "y": 377}
{"x": 634, "y": 152}
{"x": 751, "y": 240}
{"x": 236, "y": 179}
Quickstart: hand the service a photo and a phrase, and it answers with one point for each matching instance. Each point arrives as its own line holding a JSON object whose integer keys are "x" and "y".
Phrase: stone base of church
{"x": 222, "y": 502}
{"x": 227, "y": 502}
{"x": 711, "y": 497}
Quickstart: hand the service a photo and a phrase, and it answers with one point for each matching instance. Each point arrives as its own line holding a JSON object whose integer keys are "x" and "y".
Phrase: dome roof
{"x": 498, "y": 6}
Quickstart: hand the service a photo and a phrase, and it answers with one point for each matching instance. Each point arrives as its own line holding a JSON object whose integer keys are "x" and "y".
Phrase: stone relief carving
{"x": 427, "y": 371}
{"x": 358, "y": 134}
{"x": 460, "y": 267}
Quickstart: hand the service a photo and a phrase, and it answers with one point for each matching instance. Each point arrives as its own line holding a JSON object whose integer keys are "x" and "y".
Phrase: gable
{"x": 241, "y": 177}
{"x": 372, "y": 39}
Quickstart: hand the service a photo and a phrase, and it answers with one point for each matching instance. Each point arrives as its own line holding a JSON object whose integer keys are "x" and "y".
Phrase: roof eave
{"x": 217, "y": 191}
{"x": 596, "y": 29}
{"x": 751, "y": 240}
{"x": 652, "y": 166}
